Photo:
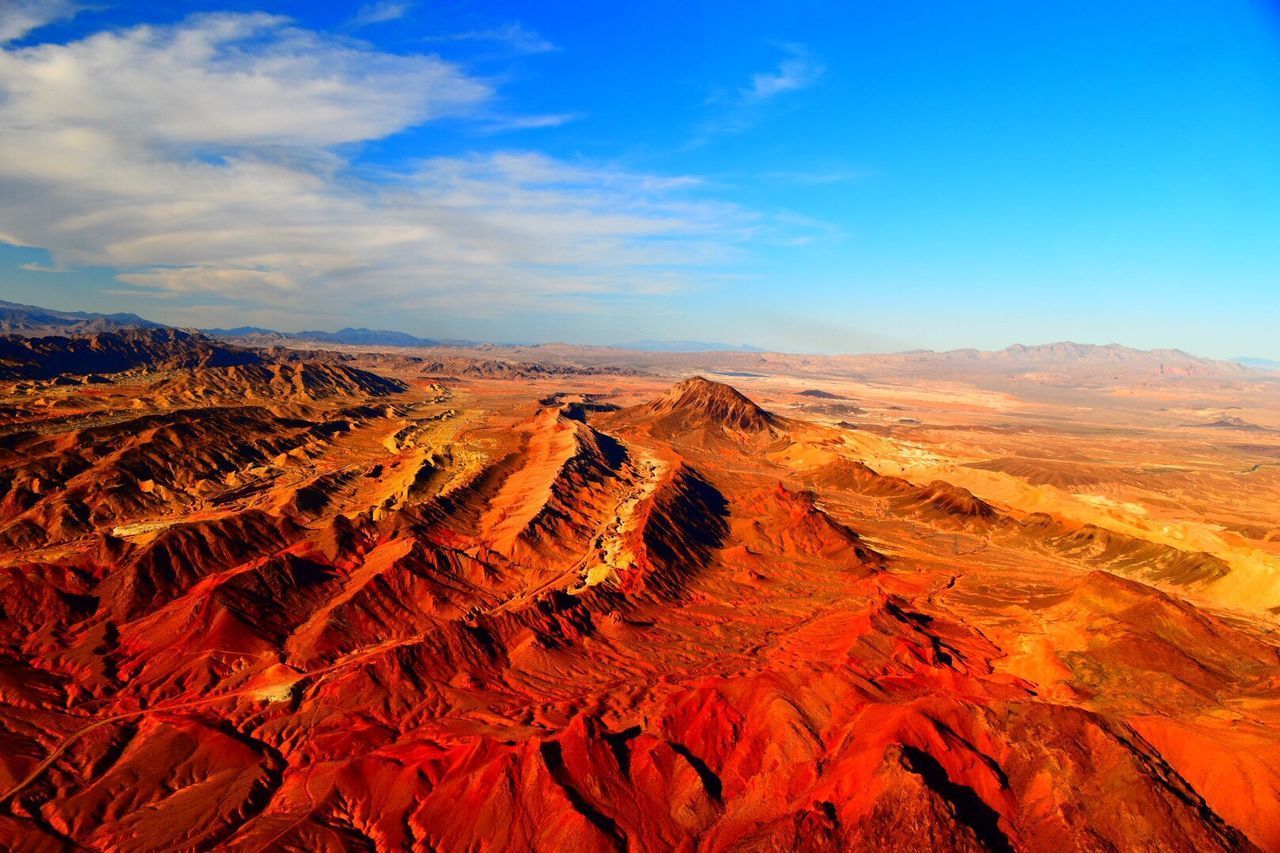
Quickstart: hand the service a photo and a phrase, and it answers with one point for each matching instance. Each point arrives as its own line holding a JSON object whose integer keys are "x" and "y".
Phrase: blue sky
{"x": 805, "y": 176}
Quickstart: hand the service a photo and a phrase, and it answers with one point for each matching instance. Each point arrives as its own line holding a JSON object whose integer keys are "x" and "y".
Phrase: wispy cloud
{"x": 34, "y": 267}
{"x": 530, "y": 122}
{"x": 138, "y": 294}
{"x": 797, "y": 70}
{"x": 514, "y": 37}
{"x": 816, "y": 177}
{"x": 19, "y": 17}
{"x": 210, "y": 160}
{"x": 379, "y": 13}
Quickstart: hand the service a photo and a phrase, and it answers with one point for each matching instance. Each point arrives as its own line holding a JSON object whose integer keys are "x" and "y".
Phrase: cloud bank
{"x": 217, "y": 159}
{"x": 20, "y": 17}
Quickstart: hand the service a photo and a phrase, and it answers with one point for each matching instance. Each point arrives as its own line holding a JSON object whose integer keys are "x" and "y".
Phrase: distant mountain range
{"x": 352, "y": 336}
{"x": 1258, "y": 363}
{"x": 687, "y": 346}
{"x": 1062, "y": 361}
{"x": 33, "y": 321}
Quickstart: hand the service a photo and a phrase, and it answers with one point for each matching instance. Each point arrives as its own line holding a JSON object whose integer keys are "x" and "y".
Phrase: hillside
{"x": 304, "y": 599}
{"x": 698, "y": 403}
{"x": 112, "y": 352}
{"x": 33, "y": 321}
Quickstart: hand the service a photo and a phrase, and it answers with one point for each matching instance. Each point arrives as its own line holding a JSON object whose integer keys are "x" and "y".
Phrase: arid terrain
{"x": 560, "y": 598}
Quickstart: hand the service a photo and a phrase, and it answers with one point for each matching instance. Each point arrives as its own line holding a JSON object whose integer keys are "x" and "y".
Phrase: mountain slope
{"x": 295, "y": 381}
{"x": 112, "y": 352}
{"x": 33, "y": 321}
{"x": 293, "y": 604}
{"x": 699, "y": 403}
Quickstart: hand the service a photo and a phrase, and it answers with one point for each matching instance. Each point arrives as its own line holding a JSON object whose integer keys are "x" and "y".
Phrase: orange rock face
{"x": 262, "y": 604}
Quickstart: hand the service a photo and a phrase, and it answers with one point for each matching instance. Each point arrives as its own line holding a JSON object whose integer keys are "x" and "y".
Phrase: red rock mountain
{"x": 288, "y": 605}
{"x": 698, "y": 403}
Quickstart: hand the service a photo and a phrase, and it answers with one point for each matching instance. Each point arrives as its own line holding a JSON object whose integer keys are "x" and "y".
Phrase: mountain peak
{"x": 698, "y": 401}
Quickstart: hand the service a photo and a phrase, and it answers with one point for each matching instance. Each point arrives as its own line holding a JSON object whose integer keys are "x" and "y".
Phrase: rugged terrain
{"x": 306, "y": 600}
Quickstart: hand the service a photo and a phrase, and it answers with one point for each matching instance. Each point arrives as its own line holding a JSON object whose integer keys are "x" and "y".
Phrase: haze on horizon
{"x": 838, "y": 177}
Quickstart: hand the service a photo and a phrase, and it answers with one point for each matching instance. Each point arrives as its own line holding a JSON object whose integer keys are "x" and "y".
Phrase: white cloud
{"x": 532, "y": 122}
{"x": 210, "y": 159}
{"x": 19, "y": 17}
{"x": 379, "y": 13}
{"x": 742, "y": 109}
{"x": 797, "y": 71}
{"x": 138, "y": 294}
{"x": 514, "y": 36}
{"x": 228, "y": 79}
{"x": 208, "y": 279}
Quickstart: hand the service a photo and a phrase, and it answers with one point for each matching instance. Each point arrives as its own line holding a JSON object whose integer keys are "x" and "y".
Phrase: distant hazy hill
{"x": 242, "y": 332}
{"x": 1045, "y": 361}
{"x": 33, "y": 321}
{"x": 1259, "y": 363}
{"x": 687, "y": 346}
{"x": 369, "y": 337}
{"x": 351, "y": 336}
{"x": 1062, "y": 352}
{"x": 1063, "y": 360}
{"x": 1067, "y": 352}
